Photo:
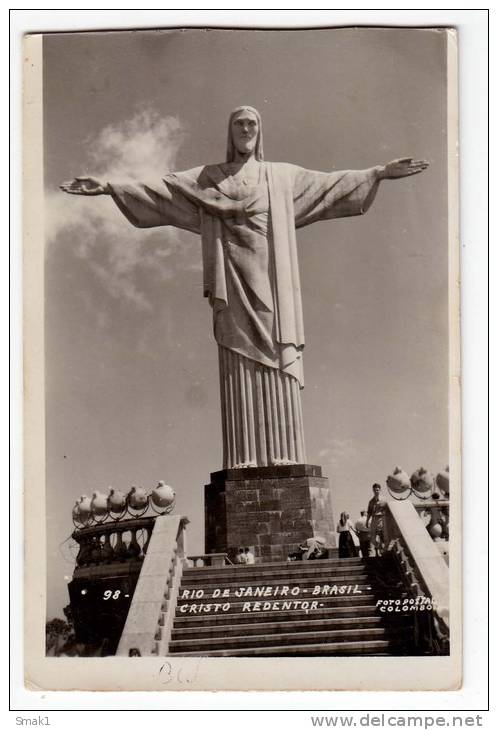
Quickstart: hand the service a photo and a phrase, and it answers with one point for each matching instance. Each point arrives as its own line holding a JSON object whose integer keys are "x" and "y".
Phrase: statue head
{"x": 245, "y": 133}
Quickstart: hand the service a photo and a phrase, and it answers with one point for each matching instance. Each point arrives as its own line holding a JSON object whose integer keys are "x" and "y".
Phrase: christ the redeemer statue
{"x": 247, "y": 211}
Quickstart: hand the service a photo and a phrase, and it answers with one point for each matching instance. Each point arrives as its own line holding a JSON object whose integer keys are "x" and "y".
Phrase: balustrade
{"x": 113, "y": 542}
{"x": 438, "y": 513}
{"x": 431, "y": 631}
{"x": 432, "y": 495}
{"x": 431, "y": 617}
{"x": 213, "y": 560}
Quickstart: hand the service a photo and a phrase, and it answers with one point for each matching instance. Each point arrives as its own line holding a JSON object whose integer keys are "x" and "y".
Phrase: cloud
{"x": 143, "y": 147}
{"x": 338, "y": 453}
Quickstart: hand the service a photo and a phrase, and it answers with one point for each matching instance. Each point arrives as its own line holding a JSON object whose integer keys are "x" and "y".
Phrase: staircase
{"x": 313, "y": 608}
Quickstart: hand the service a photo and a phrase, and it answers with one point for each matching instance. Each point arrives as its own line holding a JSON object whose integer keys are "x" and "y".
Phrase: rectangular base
{"x": 269, "y": 509}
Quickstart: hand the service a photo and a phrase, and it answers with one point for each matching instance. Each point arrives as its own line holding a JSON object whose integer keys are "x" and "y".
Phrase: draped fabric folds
{"x": 251, "y": 279}
{"x": 261, "y": 414}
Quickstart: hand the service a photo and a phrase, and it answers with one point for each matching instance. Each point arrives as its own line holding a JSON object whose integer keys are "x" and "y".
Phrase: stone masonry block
{"x": 272, "y": 508}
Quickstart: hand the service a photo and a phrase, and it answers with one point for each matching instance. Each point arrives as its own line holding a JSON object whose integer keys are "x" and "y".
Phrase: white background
{"x": 472, "y": 27}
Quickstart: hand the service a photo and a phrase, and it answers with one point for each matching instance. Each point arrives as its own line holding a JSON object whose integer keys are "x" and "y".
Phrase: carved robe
{"x": 251, "y": 279}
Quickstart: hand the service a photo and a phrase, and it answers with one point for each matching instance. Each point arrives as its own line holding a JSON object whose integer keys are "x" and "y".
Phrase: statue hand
{"x": 402, "y": 168}
{"x": 85, "y": 186}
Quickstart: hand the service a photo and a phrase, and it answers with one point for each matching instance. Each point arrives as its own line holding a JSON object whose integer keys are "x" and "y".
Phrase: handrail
{"x": 148, "y": 624}
{"x": 430, "y": 635}
{"x": 431, "y": 627}
{"x": 168, "y": 609}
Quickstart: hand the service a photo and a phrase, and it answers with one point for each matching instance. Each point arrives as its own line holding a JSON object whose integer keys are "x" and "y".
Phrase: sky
{"x": 131, "y": 363}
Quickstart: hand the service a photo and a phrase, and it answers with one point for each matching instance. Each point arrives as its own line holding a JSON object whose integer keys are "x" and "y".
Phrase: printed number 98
{"x": 109, "y": 594}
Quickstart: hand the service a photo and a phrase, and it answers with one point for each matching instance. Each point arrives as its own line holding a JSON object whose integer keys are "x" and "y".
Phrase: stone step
{"x": 366, "y": 594}
{"x": 242, "y": 628}
{"x": 260, "y": 641}
{"x": 343, "y": 648}
{"x": 183, "y": 620}
{"x": 340, "y": 624}
{"x": 268, "y": 573}
{"x": 291, "y": 582}
{"x": 308, "y": 565}
{"x": 286, "y": 637}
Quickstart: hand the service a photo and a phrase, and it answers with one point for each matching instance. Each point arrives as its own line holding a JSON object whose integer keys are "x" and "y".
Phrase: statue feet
{"x": 274, "y": 462}
{"x": 244, "y": 465}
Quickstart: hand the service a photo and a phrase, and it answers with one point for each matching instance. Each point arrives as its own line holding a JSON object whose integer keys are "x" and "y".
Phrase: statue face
{"x": 245, "y": 130}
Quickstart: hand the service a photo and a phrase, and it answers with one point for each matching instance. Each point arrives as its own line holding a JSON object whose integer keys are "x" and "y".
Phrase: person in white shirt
{"x": 240, "y": 558}
{"x": 363, "y": 532}
{"x": 249, "y": 556}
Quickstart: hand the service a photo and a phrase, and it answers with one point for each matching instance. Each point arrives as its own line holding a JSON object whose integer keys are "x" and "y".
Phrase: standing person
{"x": 240, "y": 558}
{"x": 375, "y": 518}
{"x": 246, "y": 211}
{"x": 363, "y": 531}
{"x": 347, "y": 547}
{"x": 249, "y": 556}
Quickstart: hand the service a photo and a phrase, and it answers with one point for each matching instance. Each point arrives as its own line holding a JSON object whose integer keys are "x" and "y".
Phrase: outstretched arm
{"x": 322, "y": 196}
{"x": 145, "y": 206}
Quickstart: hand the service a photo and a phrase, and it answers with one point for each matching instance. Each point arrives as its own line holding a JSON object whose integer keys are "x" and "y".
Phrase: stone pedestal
{"x": 270, "y": 509}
